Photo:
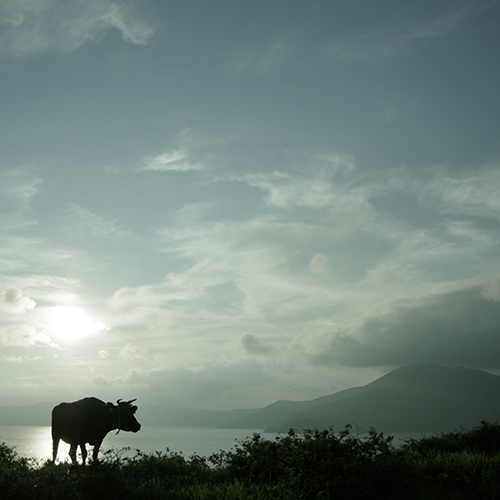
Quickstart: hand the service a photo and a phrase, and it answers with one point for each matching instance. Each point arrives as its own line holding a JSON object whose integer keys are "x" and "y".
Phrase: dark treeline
{"x": 317, "y": 464}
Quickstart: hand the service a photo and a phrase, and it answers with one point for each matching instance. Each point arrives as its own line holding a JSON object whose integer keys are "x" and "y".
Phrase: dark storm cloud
{"x": 455, "y": 328}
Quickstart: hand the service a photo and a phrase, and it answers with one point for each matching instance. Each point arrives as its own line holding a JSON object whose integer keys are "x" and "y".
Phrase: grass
{"x": 312, "y": 465}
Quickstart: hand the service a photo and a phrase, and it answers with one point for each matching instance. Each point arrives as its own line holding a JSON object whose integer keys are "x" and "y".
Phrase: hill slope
{"x": 423, "y": 397}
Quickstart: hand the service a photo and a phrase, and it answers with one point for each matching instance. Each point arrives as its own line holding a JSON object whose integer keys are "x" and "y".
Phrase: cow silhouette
{"x": 88, "y": 421}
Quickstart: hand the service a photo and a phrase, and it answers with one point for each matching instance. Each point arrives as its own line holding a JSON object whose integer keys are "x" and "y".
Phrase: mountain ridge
{"x": 419, "y": 397}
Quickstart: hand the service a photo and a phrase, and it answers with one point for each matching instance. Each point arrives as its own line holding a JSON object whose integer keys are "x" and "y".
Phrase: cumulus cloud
{"x": 37, "y": 25}
{"x": 457, "y": 328}
{"x": 134, "y": 352}
{"x": 25, "y": 336}
{"x": 14, "y": 301}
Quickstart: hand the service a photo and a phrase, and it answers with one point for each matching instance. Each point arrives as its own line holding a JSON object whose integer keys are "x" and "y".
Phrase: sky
{"x": 223, "y": 204}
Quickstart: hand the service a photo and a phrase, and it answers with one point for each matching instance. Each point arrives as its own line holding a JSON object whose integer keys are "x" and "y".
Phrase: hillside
{"x": 422, "y": 397}
{"x": 281, "y": 410}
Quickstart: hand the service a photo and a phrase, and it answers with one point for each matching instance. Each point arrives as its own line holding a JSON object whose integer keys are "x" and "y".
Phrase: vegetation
{"x": 312, "y": 465}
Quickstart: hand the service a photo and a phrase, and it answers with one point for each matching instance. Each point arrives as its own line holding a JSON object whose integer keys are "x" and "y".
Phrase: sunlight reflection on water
{"x": 36, "y": 442}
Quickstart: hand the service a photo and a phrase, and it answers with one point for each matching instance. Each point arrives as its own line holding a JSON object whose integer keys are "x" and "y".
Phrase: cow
{"x": 88, "y": 421}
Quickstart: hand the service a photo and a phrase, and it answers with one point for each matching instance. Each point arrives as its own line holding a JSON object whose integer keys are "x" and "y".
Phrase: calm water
{"x": 36, "y": 442}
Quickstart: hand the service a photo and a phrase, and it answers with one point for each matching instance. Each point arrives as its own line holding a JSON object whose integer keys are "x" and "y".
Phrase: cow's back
{"x": 84, "y": 421}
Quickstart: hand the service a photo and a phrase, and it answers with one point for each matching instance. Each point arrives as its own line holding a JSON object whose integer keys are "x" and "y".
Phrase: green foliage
{"x": 482, "y": 439}
{"x": 312, "y": 465}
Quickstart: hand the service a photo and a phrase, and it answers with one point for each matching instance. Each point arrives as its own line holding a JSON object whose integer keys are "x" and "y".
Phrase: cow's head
{"x": 124, "y": 415}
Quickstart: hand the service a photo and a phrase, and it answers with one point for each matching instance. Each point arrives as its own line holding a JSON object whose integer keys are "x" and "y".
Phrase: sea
{"x": 36, "y": 441}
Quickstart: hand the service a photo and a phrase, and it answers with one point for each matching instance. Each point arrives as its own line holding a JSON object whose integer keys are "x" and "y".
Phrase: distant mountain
{"x": 281, "y": 410}
{"x": 422, "y": 397}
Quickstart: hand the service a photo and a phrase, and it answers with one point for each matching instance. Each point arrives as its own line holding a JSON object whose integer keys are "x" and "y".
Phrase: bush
{"x": 312, "y": 465}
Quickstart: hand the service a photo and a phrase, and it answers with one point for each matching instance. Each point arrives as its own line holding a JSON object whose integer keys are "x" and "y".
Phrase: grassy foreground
{"x": 312, "y": 465}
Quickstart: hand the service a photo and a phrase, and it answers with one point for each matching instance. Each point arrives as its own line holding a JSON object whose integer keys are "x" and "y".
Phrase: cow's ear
{"x": 134, "y": 408}
{"x": 109, "y": 406}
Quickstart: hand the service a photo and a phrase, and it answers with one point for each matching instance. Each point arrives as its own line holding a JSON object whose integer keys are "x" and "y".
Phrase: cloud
{"x": 327, "y": 185}
{"x": 470, "y": 193}
{"x": 133, "y": 352}
{"x": 320, "y": 264}
{"x": 21, "y": 359}
{"x": 263, "y": 60}
{"x": 267, "y": 261}
{"x": 14, "y": 301}
{"x": 192, "y": 151}
{"x": 458, "y": 328}
{"x": 491, "y": 289}
{"x": 380, "y": 48}
{"x": 253, "y": 345}
{"x": 176, "y": 160}
{"x": 35, "y": 26}
{"x": 18, "y": 185}
{"x": 89, "y": 224}
{"x": 210, "y": 385}
{"x": 25, "y": 336}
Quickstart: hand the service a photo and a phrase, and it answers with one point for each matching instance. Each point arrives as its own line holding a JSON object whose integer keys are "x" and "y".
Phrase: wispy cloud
{"x": 176, "y": 160}
{"x": 19, "y": 185}
{"x": 262, "y": 60}
{"x": 84, "y": 222}
{"x": 34, "y": 26}
{"x": 379, "y": 48}
{"x": 192, "y": 151}
{"x": 328, "y": 186}
{"x": 473, "y": 193}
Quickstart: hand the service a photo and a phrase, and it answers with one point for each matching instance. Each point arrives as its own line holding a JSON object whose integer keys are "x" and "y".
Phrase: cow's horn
{"x": 131, "y": 401}
{"x": 118, "y": 402}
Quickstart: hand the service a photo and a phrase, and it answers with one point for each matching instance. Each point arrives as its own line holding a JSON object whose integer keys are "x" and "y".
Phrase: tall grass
{"x": 312, "y": 465}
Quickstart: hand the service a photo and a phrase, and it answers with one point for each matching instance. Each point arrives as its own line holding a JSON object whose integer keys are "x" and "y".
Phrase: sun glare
{"x": 73, "y": 323}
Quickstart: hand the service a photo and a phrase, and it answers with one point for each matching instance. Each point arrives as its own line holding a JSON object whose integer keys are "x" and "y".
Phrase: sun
{"x": 69, "y": 323}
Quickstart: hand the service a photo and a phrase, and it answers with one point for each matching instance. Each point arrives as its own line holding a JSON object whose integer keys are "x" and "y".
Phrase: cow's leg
{"x": 83, "y": 448}
{"x": 72, "y": 452}
{"x": 95, "y": 453}
{"x": 55, "y": 446}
